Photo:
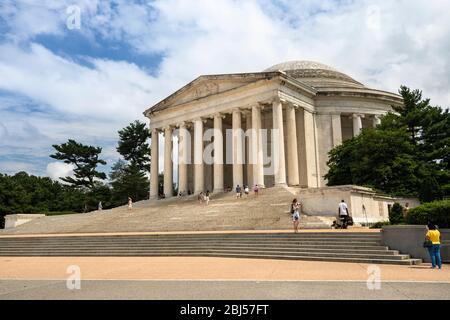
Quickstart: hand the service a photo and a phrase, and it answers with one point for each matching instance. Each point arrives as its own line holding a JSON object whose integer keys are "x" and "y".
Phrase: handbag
{"x": 427, "y": 244}
{"x": 349, "y": 221}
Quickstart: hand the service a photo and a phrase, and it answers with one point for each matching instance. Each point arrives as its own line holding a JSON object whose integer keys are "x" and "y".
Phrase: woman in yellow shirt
{"x": 435, "y": 250}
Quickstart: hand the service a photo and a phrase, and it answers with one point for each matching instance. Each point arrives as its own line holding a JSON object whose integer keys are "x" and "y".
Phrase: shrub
{"x": 396, "y": 214}
{"x": 380, "y": 224}
{"x": 437, "y": 212}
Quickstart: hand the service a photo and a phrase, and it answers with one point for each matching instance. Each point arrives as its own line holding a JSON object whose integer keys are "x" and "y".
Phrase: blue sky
{"x": 58, "y": 82}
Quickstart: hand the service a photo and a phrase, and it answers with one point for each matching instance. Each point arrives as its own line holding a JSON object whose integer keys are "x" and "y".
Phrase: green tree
{"x": 396, "y": 214}
{"x": 24, "y": 193}
{"x": 84, "y": 158}
{"x": 128, "y": 181}
{"x": 408, "y": 154}
{"x": 133, "y": 145}
{"x": 376, "y": 158}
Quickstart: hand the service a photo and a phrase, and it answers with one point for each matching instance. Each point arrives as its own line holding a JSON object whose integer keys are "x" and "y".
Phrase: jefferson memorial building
{"x": 311, "y": 107}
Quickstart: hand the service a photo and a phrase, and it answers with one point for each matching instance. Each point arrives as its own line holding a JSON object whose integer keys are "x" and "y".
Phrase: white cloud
{"x": 381, "y": 43}
{"x": 57, "y": 170}
{"x": 109, "y": 90}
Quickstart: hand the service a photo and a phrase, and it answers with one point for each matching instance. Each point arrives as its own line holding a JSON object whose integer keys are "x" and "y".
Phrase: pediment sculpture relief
{"x": 206, "y": 90}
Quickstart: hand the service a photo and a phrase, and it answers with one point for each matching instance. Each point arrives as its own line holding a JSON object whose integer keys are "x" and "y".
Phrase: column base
{"x": 218, "y": 191}
{"x": 283, "y": 184}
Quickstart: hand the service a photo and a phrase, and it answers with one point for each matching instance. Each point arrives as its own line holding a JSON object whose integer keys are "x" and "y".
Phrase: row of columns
{"x": 254, "y": 150}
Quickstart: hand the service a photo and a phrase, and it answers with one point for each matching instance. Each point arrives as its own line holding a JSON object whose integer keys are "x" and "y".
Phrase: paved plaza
{"x": 223, "y": 290}
{"x": 215, "y": 278}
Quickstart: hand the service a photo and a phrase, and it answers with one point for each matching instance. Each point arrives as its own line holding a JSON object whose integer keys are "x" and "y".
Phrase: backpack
{"x": 292, "y": 208}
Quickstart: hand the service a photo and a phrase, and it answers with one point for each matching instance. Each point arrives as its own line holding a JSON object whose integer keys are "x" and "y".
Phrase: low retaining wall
{"x": 365, "y": 205}
{"x": 409, "y": 240}
{"x": 14, "y": 220}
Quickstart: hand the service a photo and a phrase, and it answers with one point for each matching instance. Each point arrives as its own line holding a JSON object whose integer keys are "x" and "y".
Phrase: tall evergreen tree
{"x": 85, "y": 159}
{"x": 128, "y": 181}
{"x": 133, "y": 145}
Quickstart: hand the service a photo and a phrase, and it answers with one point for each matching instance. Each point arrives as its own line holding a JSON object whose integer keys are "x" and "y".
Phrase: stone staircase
{"x": 268, "y": 211}
{"x": 314, "y": 246}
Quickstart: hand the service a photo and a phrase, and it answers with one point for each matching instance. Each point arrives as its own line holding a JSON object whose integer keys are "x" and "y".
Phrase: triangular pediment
{"x": 205, "y": 86}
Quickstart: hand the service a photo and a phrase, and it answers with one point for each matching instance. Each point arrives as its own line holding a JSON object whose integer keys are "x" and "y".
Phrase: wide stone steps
{"x": 325, "y": 246}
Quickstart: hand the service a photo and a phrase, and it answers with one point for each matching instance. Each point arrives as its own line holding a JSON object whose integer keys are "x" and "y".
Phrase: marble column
{"x": 168, "y": 163}
{"x": 257, "y": 151}
{"x": 337, "y": 129}
{"x": 154, "y": 169}
{"x": 292, "y": 156}
{"x": 357, "y": 124}
{"x": 199, "y": 181}
{"x": 249, "y": 148}
{"x": 218, "y": 153}
{"x": 237, "y": 146}
{"x": 278, "y": 143}
{"x": 183, "y": 158}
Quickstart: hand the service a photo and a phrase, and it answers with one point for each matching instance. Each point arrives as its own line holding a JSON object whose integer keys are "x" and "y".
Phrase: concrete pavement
{"x": 203, "y": 268}
{"x": 221, "y": 290}
{"x": 216, "y": 279}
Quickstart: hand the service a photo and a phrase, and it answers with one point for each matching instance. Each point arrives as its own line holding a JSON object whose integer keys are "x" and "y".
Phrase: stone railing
{"x": 14, "y": 220}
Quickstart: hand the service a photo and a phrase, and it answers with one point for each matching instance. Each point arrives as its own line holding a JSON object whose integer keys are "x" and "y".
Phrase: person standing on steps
{"x": 200, "y": 197}
{"x": 246, "y": 191}
{"x": 295, "y": 211}
{"x": 100, "y": 206}
{"x": 343, "y": 214}
{"x": 130, "y": 203}
{"x": 434, "y": 236}
{"x": 238, "y": 192}
{"x": 207, "y": 197}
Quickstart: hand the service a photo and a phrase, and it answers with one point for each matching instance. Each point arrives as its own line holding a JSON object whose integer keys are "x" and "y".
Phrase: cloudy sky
{"x": 62, "y": 77}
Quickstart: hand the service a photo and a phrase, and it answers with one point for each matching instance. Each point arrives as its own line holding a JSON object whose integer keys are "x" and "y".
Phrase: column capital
{"x": 169, "y": 127}
{"x": 184, "y": 124}
{"x": 358, "y": 115}
{"x": 218, "y": 115}
{"x": 290, "y": 104}
{"x": 276, "y": 99}
{"x": 202, "y": 119}
{"x": 260, "y": 105}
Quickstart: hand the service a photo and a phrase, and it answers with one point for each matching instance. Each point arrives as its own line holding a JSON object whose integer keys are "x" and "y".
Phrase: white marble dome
{"x": 315, "y": 74}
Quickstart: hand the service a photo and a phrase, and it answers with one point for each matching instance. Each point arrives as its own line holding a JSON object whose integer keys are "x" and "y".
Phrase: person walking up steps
{"x": 238, "y": 192}
{"x": 130, "y": 203}
{"x": 256, "y": 190}
{"x": 295, "y": 211}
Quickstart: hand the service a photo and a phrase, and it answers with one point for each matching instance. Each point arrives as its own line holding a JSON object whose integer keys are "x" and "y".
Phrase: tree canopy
{"x": 407, "y": 154}
{"x": 128, "y": 181}
{"x": 133, "y": 145}
{"x": 84, "y": 158}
